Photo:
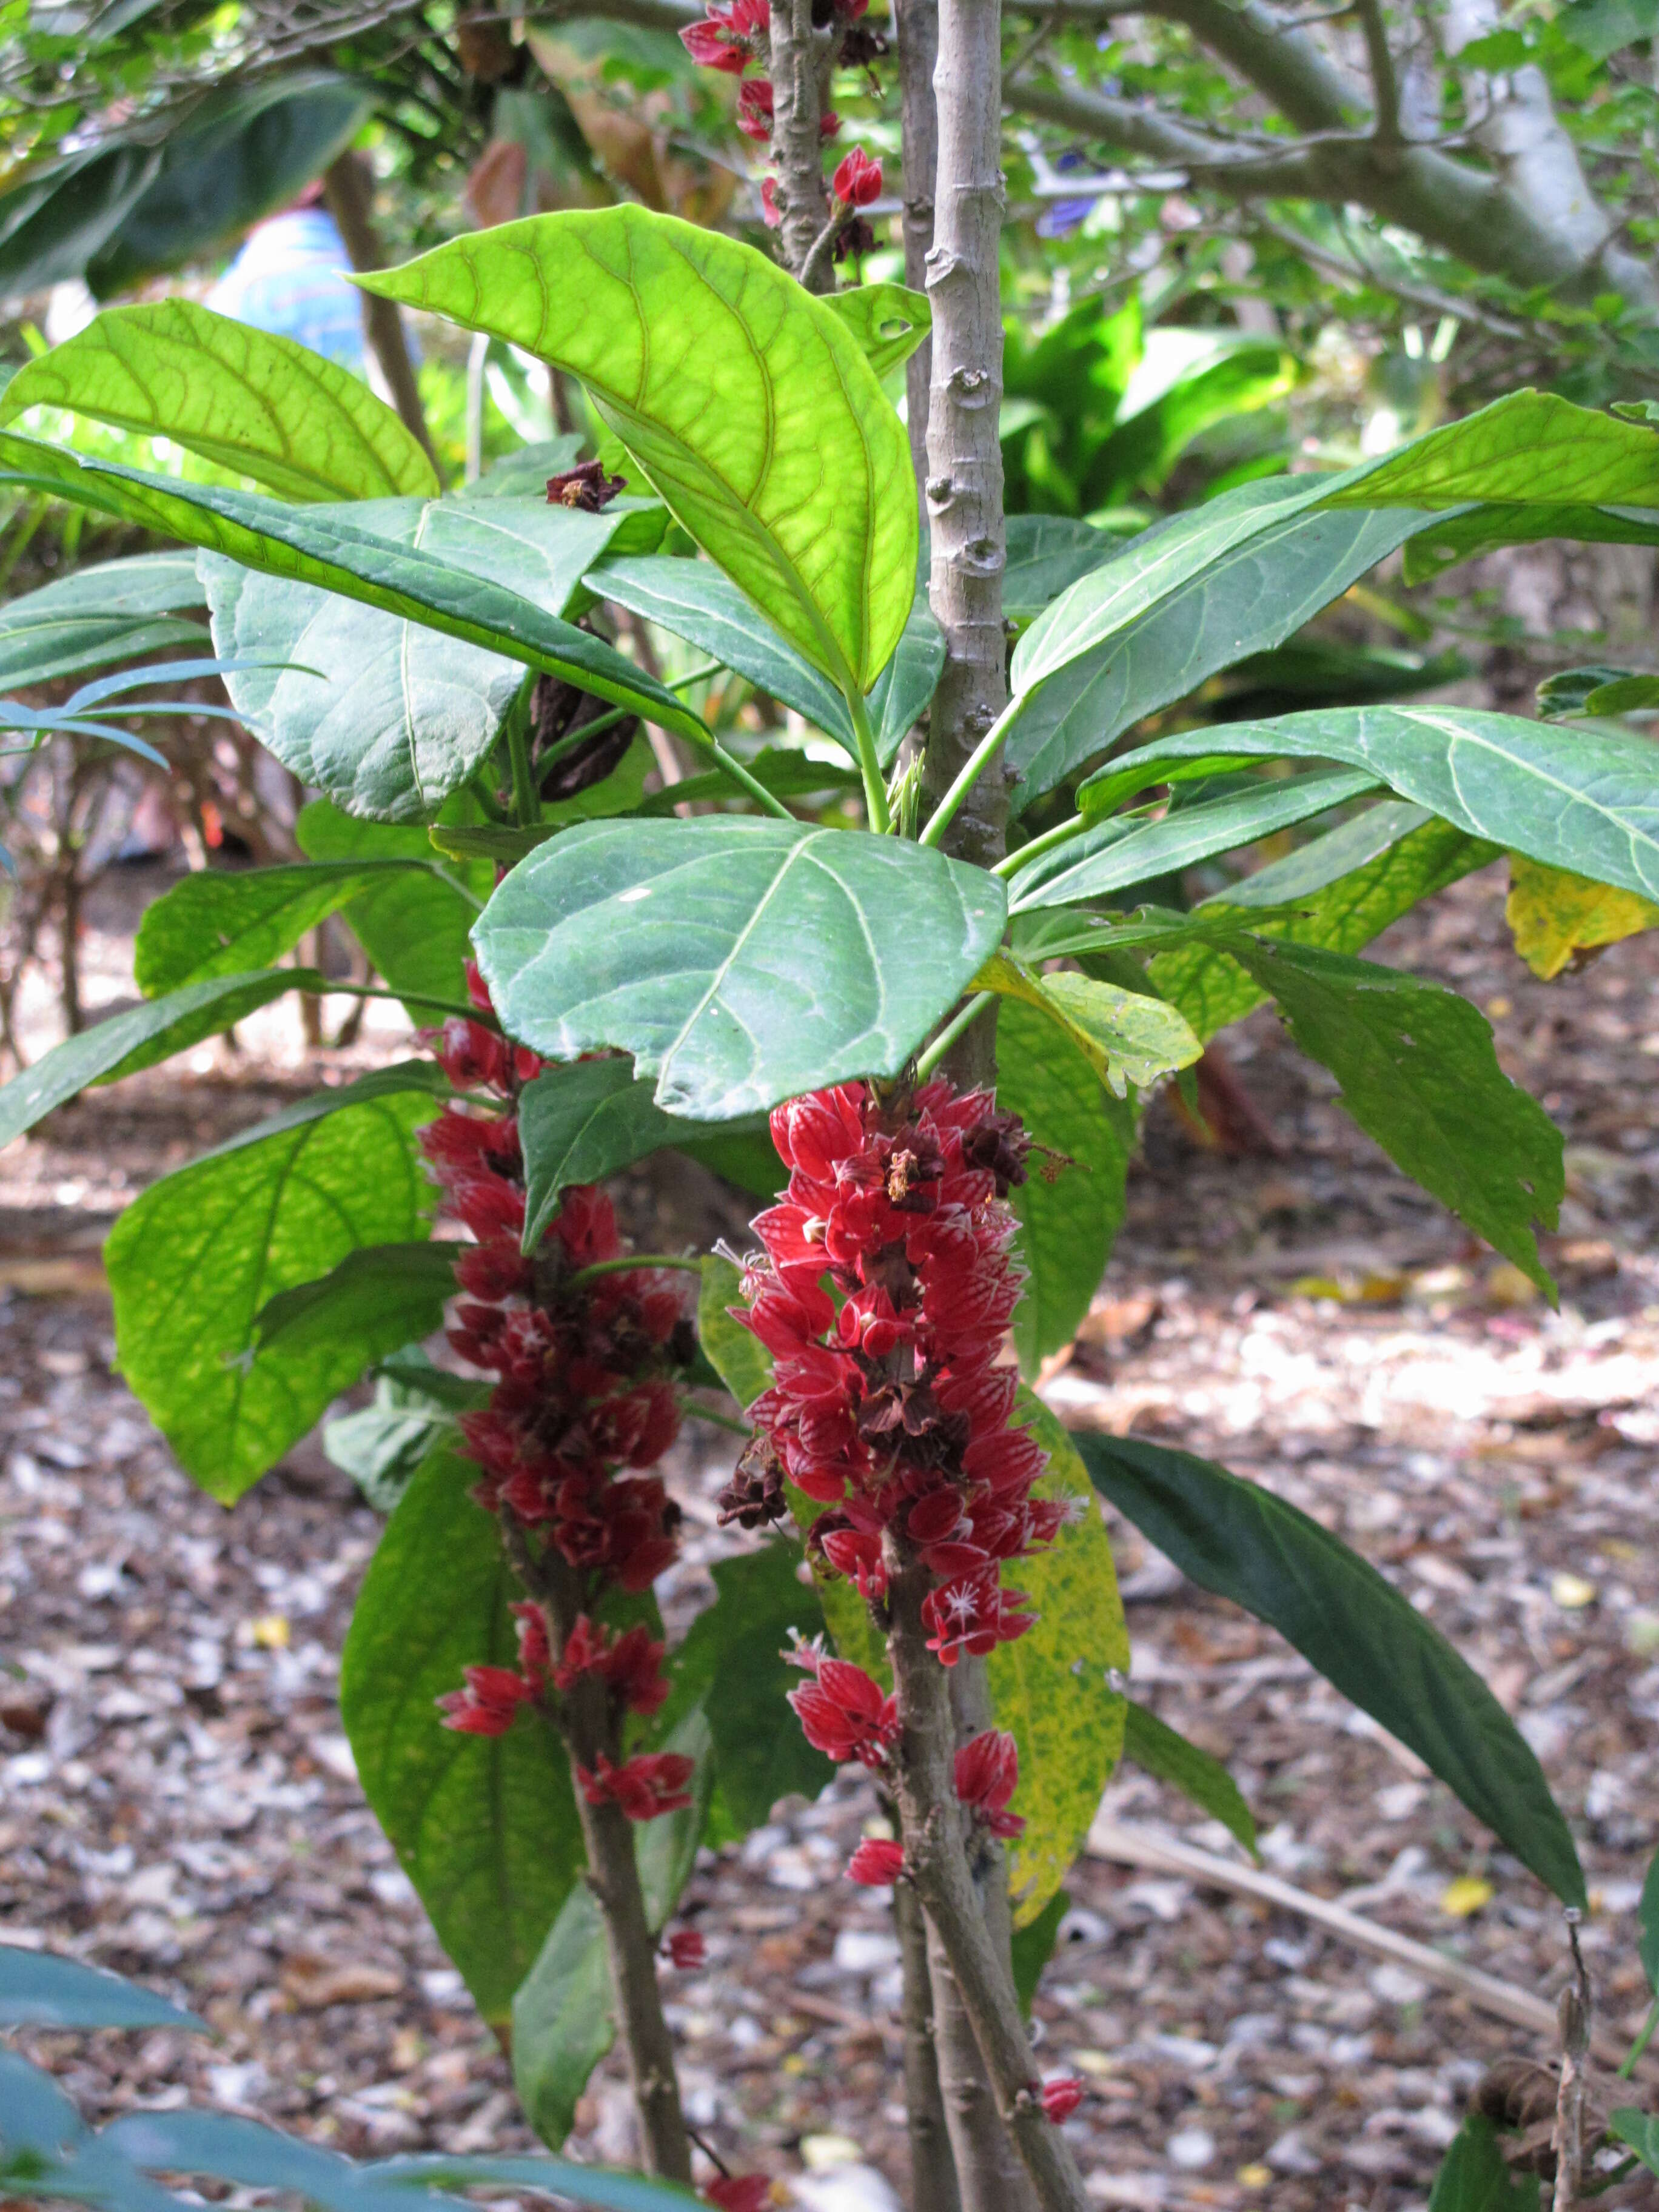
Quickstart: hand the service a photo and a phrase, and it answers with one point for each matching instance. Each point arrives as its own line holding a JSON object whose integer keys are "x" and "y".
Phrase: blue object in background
{"x": 289, "y": 278}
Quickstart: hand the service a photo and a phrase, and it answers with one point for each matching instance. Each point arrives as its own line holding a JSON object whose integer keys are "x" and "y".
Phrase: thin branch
{"x": 1384, "y": 83}
{"x": 1569, "y": 2137}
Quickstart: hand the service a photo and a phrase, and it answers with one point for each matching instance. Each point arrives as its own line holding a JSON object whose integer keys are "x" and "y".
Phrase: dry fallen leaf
{"x": 313, "y": 1983}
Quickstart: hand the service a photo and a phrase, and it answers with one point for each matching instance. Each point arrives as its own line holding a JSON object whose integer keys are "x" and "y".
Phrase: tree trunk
{"x": 932, "y": 2168}
{"x": 798, "y": 57}
{"x": 918, "y": 55}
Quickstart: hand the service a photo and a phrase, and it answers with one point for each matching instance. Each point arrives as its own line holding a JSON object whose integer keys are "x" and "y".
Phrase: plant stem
{"x": 1033, "y": 849}
{"x": 526, "y": 795}
{"x": 956, "y": 1027}
{"x": 932, "y": 2166}
{"x": 918, "y": 55}
{"x": 625, "y": 1267}
{"x": 875, "y": 784}
{"x": 1641, "y": 2043}
{"x": 767, "y": 800}
{"x": 969, "y": 774}
{"x": 612, "y": 715}
{"x": 343, "y": 990}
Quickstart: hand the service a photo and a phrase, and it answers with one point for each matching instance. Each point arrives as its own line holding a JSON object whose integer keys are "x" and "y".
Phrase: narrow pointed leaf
{"x": 413, "y": 923}
{"x": 38, "y": 1990}
{"x": 1243, "y": 1543}
{"x": 905, "y": 688}
{"x": 221, "y": 921}
{"x": 388, "y": 1290}
{"x": 740, "y": 962}
{"x": 117, "y": 611}
{"x": 246, "y": 399}
{"x": 747, "y": 404}
{"x": 1154, "y": 1746}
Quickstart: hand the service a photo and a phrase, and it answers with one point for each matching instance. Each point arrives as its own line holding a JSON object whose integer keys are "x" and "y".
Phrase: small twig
{"x": 1384, "y": 81}
{"x": 1569, "y": 2137}
{"x": 813, "y": 268}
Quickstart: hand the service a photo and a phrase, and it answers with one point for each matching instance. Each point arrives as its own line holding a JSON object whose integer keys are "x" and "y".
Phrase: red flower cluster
{"x": 987, "y": 1776}
{"x": 649, "y": 1783}
{"x": 894, "y": 1409}
{"x": 730, "y": 39}
{"x": 843, "y": 1710}
{"x": 493, "y": 1694}
{"x": 739, "y": 2192}
{"x": 629, "y": 1665}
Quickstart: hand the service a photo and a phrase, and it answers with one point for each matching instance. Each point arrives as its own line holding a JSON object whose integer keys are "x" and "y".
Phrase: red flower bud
{"x": 1060, "y": 2098}
{"x": 755, "y": 109}
{"x": 876, "y": 1862}
{"x": 686, "y": 1949}
{"x": 650, "y": 1785}
{"x": 987, "y": 1776}
{"x": 857, "y": 180}
{"x": 739, "y": 2192}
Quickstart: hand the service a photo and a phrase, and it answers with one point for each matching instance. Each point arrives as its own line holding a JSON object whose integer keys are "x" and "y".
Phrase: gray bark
{"x": 798, "y": 59}
{"x": 917, "y": 24}
{"x": 932, "y": 2167}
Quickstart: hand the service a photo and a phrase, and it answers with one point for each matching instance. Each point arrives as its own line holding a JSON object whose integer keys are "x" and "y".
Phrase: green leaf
{"x": 731, "y": 1664}
{"x": 385, "y": 714}
{"x": 740, "y": 962}
{"x": 1418, "y": 1073}
{"x": 335, "y": 549}
{"x": 223, "y": 921}
{"x": 584, "y": 1123}
{"x": 414, "y": 923}
{"x": 790, "y": 775}
{"x": 1069, "y": 1207}
{"x": 1640, "y": 2130}
{"x": 1125, "y": 1037}
{"x": 118, "y": 611}
{"x": 1117, "y": 855}
{"x": 1474, "y": 2177}
{"x": 905, "y": 688}
{"x": 1034, "y": 1946}
{"x": 390, "y": 1290}
{"x": 46, "y": 2151}
{"x": 382, "y": 1444}
{"x": 1528, "y": 449}
{"x": 739, "y": 1357}
{"x": 485, "y": 1828}
{"x": 1647, "y": 1912}
{"x": 1588, "y": 802}
{"x": 40, "y": 1990}
{"x": 1050, "y": 1686}
{"x": 123, "y": 1043}
{"x": 1552, "y": 916}
{"x": 747, "y": 403}
{"x": 1402, "y": 855}
{"x": 1164, "y": 1751}
{"x": 889, "y": 321}
{"x": 246, "y": 399}
{"x": 1047, "y": 554}
{"x": 192, "y": 1261}
{"x": 1358, "y": 1631}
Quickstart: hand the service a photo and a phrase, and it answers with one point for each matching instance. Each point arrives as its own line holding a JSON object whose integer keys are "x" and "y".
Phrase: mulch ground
{"x": 177, "y": 1800}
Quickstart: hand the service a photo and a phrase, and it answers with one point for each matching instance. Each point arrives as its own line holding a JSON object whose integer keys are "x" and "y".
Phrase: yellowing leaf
{"x": 1553, "y": 915}
{"x": 1125, "y": 1037}
{"x": 1466, "y": 1895}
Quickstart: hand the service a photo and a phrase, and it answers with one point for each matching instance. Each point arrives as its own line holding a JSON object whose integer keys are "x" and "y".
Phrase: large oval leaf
{"x": 740, "y": 962}
{"x": 248, "y": 400}
{"x": 484, "y": 1826}
{"x": 331, "y": 547}
{"x": 1585, "y": 800}
{"x": 1361, "y": 1634}
{"x": 747, "y": 404}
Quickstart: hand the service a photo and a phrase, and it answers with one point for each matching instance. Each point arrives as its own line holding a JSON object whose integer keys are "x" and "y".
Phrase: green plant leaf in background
{"x": 1050, "y": 1686}
{"x": 123, "y": 1043}
{"x": 1588, "y": 802}
{"x": 1158, "y": 1748}
{"x": 116, "y": 611}
{"x": 1474, "y": 2177}
{"x": 1418, "y": 1073}
{"x": 1071, "y": 1206}
{"x": 251, "y": 402}
{"x": 332, "y": 548}
{"x": 413, "y": 923}
{"x": 1125, "y": 1037}
{"x": 381, "y": 1445}
{"x": 484, "y": 1826}
{"x": 750, "y": 406}
{"x": 192, "y": 1261}
{"x": 737, "y": 1357}
{"x": 1640, "y": 2130}
{"x": 740, "y": 962}
{"x": 383, "y": 1290}
{"x": 1358, "y": 1631}
{"x": 1034, "y": 1946}
{"x": 888, "y": 320}
{"x": 223, "y": 921}
{"x": 38, "y": 1990}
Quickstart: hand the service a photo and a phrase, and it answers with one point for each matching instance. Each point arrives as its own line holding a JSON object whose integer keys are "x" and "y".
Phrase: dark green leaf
{"x": 413, "y": 926}
{"x": 1034, "y": 1946}
{"x": 252, "y": 2155}
{"x": 118, "y": 611}
{"x": 485, "y": 1828}
{"x": 750, "y": 406}
{"x": 387, "y": 1290}
{"x": 123, "y": 1043}
{"x": 583, "y": 2184}
{"x": 1641, "y": 2132}
{"x": 192, "y": 1261}
{"x": 382, "y": 1444}
{"x": 1475, "y": 2178}
{"x": 564, "y": 2018}
{"x": 1072, "y": 1204}
{"x": 222, "y": 921}
{"x": 1162, "y": 1751}
{"x": 1649, "y": 1913}
{"x": 1047, "y": 554}
{"x": 55, "y": 216}
{"x": 791, "y": 774}
{"x": 40, "y": 1990}
{"x": 740, "y": 962}
{"x": 46, "y": 2151}
{"x": 256, "y": 404}
{"x": 1571, "y": 691}
{"x": 905, "y": 688}
{"x": 1357, "y": 1630}
{"x": 1418, "y": 1073}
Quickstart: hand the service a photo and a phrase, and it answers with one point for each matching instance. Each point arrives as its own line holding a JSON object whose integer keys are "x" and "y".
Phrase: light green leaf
{"x": 413, "y": 923}
{"x": 1153, "y": 1745}
{"x": 192, "y": 1261}
{"x": 1070, "y": 1206}
{"x": 564, "y": 2018}
{"x": 248, "y": 400}
{"x": 331, "y": 547}
{"x": 118, "y": 610}
{"x": 1049, "y": 1686}
{"x": 737, "y": 1357}
{"x": 382, "y": 1444}
{"x": 1588, "y": 802}
{"x": 485, "y": 1828}
{"x": 1528, "y": 449}
{"x": 123, "y": 1043}
{"x": 386, "y": 1290}
{"x": 1647, "y": 1912}
{"x": 222, "y": 921}
{"x": 1387, "y": 859}
{"x": 740, "y": 962}
{"x": 888, "y": 320}
{"x": 1125, "y": 1037}
{"x": 383, "y": 715}
{"x": 1117, "y": 855}
{"x": 747, "y": 404}
{"x": 1241, "y": 1541}
{"x": 1418, "y": 1073}
{"x": 1640, "y": 2130}
{"x": 1474, "y": 2177}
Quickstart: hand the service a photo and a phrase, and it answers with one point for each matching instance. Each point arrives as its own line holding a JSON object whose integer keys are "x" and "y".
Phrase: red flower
{"x": 830, "y": 125}
{"x": 739, "y": 2192}
{"x": 974, "y": 1614}
{"x": 487, "y": 1704}
{"x": 987, "y": 1776}
{"x": 770, "y": 214}
{"x": 631, "y": 1665}
{"x": 857, "y": 180}
{"x": 645, "y": 1786}
{"x": 843, "y": 1713}
{"x": 729, "y": 39}
{"x": 686, "y": 1949}
{"x": 1061, "y": 2097}
{"x": 755, "y": 108}
{"x": 876, "y": 1862}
